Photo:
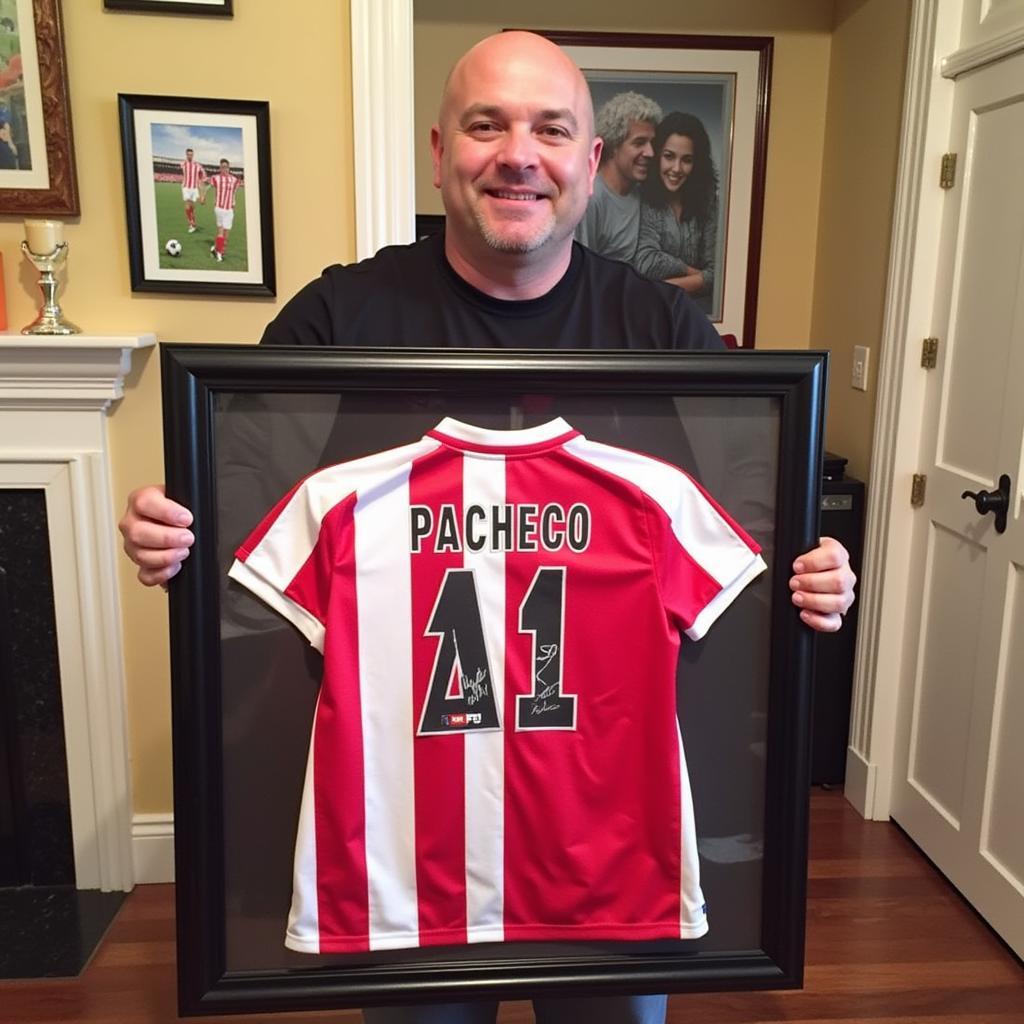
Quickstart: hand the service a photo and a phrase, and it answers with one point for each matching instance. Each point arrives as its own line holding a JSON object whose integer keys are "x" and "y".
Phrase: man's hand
{"x": 155, "y": 538}
{"x": 823, "y": 585}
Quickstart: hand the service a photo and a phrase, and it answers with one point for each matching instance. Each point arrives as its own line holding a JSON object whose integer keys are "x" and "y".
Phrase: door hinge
{"x": 917, "y": 489}
{"x": 947, "y": 177}
{"x": 930, "y": 353}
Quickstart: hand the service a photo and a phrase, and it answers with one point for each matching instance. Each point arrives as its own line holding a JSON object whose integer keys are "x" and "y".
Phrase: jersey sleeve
{"x": 288, "y": 560}
{"x": 704, "y": 559}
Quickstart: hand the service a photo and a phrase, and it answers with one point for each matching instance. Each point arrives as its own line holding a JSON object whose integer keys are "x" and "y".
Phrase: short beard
{"x": 517, "y": 246}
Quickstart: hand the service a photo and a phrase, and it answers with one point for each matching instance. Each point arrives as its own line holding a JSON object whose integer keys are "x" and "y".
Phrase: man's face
{"x": 514, "y": 155}
{"x": 225, "y": 167}
{"x": 633, "y": 158}
{"x": 188, "y": 155}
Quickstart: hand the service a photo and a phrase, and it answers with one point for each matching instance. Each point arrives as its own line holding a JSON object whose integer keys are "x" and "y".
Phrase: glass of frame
{"x": 197, "y": 194}
{"x": 243, "y": 424}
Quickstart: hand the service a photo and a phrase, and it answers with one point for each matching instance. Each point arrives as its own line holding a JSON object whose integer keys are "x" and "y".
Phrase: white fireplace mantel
{"x": 54, "y": 396}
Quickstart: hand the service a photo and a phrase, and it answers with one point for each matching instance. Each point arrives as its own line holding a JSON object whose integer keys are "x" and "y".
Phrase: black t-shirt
{"x": 408, "y": 295}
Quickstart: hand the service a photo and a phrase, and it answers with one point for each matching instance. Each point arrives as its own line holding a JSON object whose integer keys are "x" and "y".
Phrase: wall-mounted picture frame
{"x": 242, "y": 425}
{"x": 37, "y": 153}
{"x": 697, "y": 203}
{"x": 214, "y": 8}
{"x": 198, "y": 195}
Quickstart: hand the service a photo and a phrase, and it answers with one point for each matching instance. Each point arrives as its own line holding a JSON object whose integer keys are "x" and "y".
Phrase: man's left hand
{"x": 823, "y": 585}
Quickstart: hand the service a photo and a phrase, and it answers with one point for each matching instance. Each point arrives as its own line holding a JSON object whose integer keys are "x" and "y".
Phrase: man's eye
{"x": 554, "y": 131}
{"x": 483, "y": 128}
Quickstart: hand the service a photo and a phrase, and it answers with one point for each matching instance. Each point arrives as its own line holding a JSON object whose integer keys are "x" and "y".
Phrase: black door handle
{"x": 993, "y": 501}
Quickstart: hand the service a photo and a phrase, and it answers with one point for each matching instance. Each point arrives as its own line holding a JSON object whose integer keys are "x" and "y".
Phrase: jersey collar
{"x": 466, "y": 437}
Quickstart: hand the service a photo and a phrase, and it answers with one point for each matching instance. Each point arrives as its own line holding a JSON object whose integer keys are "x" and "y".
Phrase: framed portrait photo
{"x": 224, "y": 8}
{"x": 198, "y": 195}
{"x": 421, "y": 749}
{"x": 37, "y": 157}
{"x": 700, "y": 184}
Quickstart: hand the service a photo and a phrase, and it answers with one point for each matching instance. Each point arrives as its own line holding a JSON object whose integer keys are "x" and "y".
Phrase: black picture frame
{"x": 237, "y": 130}
{"x": 674, "y": 69}
{"x": 197, "y": 381}
{"x": 210, "y": 9}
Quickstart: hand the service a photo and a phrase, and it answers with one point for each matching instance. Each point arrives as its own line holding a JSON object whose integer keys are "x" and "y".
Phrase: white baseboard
{"x": 859, "y": 787}
{"x": 153, "y": 848}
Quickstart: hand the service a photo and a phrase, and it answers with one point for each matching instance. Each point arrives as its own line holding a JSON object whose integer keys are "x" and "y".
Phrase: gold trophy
{"x": 46, "y": 249}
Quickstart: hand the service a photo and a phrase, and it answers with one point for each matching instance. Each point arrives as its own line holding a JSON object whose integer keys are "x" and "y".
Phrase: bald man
{"x": 514, "y": 155}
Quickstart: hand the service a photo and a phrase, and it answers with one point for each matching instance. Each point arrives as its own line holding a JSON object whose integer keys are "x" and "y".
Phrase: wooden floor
{"x": 887, "y": 940}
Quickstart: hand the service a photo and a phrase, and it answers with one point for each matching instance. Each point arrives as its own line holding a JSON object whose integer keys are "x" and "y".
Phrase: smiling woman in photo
{"x": 679, "y": 217}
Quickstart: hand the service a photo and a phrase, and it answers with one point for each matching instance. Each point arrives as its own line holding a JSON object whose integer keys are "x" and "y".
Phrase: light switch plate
{"x": 859, "y": 378}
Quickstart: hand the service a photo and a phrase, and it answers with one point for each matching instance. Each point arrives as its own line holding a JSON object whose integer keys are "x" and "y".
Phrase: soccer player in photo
{"x": 193, "y": 187}
{"x": 225, "y": 184}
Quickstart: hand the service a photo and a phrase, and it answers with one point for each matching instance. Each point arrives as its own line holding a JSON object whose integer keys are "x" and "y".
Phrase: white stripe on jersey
{"x": 303, "y": 931}
{"x": 693, "y": 921}
{"x": 384, "y": 602}
{"x": 288, "y": 543}
{"x": 192, "y": 172}
{"x": 225, "y": 184}
{"x": 696, "y": 523}
{"x": 483, "y": 483}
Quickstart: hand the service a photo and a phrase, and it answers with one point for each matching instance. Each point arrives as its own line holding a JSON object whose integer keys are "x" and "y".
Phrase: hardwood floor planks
{"x": 889, "y": 941}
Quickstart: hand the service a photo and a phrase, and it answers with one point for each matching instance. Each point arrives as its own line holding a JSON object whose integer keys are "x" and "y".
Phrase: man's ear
{"x": 436, "y": 151}
{"x": 594, "y": 159}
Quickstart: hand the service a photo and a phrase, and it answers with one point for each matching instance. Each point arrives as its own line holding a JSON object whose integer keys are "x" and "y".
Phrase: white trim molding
{"x": 54, "y": 393}
{"x": 971, "y": 57}
{"x": 153, "y": 848}
{"x": 383, "y": 123}
{"x": 910, "y": 297}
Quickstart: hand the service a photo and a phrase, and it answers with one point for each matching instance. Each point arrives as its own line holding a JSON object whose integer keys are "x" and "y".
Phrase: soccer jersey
{"x": 495, "y": 752}
{"x": 225, "y": 186}
{"x": 192, "y": 172}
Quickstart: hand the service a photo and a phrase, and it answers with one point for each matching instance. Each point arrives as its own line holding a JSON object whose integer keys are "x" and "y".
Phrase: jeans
{"x": 591, "y": 1010}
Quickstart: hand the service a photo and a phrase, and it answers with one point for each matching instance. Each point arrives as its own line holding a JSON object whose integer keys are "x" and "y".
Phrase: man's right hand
{"x": 155, "y": 534}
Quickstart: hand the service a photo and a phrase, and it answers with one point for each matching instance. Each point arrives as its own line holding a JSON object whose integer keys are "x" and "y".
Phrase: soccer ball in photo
{"x": 173, "y": 247}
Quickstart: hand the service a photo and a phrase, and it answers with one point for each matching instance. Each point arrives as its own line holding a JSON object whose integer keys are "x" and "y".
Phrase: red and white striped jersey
{"x": 495, "y": 752}
{"x": 192, "y": 172}
{"x": 226, "y": 185}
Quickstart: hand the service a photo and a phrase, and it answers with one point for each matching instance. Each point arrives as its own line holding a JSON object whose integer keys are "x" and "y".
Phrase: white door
{"x": 959, "y": 767}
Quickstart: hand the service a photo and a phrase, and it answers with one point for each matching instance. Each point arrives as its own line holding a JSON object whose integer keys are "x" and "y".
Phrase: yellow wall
{"x": 302, "y": 68}
{"x": 865, "y": 93}
{"x": 802, "y": 31}
{"x": 826, "y": 222}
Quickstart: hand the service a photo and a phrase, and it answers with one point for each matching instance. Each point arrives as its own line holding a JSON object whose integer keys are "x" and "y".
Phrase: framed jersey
{"x": 485, "y": 677}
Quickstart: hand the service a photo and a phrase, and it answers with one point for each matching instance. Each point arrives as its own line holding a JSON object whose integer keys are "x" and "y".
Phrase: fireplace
{"x": 61, "y": 669}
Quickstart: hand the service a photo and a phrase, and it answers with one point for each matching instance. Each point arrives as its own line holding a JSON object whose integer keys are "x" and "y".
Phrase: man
{"x": 625, "y": 125}
{"x": 225, "y": 184}
{"x": 514, "y": 156}
{"x": 193, "y": 187}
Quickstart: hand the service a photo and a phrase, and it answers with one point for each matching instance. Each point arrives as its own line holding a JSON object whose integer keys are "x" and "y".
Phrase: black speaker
{"x": 842, "y": 517}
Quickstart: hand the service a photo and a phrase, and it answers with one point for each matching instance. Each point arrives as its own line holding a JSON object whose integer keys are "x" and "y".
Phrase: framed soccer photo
{"x": 198, "y": 195}
{"x": 37, "y": 155}
{"x": 450, "y": 622}
{"x": 679, "y": 192}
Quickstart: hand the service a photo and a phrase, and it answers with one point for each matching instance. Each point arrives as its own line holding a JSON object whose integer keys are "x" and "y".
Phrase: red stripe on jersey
{"x": 440, "y": 797}
{"x": 616, "y": 775}
{"x": 192, "y": 172}
{"x": 225, "y": 185}
{"x": 342, "y": 902}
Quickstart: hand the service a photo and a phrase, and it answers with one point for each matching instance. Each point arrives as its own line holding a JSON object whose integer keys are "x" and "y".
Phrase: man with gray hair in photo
{"x": 611, "y": 225}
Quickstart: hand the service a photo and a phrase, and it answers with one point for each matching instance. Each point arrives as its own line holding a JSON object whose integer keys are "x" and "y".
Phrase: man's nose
{"x": 518, "y": 149}
{"x": 649, "y": 150}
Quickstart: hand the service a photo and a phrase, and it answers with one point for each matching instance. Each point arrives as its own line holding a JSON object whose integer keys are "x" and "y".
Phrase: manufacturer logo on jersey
{"x": 461, "y": 721}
